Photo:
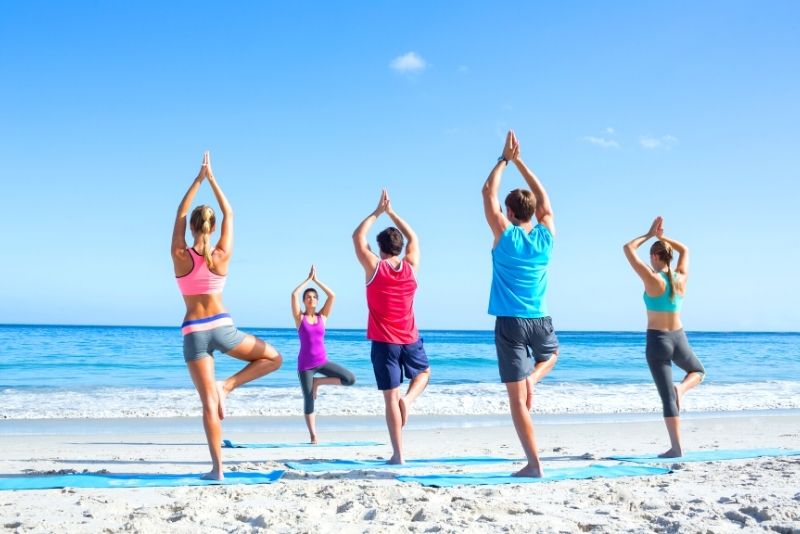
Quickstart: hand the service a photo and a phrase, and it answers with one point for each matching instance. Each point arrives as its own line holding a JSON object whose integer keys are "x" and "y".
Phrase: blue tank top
{"x": 519, "y": 272}
{"x": 662, "y": 303}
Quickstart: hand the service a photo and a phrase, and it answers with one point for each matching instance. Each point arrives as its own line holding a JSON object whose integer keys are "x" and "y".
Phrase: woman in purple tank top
{"x": 312, "y": 358}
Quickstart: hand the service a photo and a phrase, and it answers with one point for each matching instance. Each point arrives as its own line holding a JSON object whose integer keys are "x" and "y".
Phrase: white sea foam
{"x": 462, "y": 399}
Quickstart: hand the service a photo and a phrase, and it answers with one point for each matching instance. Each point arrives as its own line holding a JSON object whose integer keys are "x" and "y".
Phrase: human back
{"x": 665, "y": 289}
{"x": 520, "y": 261}
{"x": 201, "y": 269}
{"x": 390, "y": 301}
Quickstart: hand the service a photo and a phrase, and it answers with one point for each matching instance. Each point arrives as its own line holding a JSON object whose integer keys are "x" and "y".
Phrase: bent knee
{"x": 348, "y": 380}
{"x": 276, "y": 360}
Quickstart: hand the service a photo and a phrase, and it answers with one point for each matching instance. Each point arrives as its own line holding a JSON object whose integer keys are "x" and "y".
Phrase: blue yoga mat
{"x": 316, "y": 466}
{"x": 228, "y": 444}
{"x": 550, "y": 475}
{"x": 129, "y": 480}
{"x": 709, "y": 456}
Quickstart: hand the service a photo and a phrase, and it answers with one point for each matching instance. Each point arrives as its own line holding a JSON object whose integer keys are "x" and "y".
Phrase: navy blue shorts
{"x": 390, "y": 361}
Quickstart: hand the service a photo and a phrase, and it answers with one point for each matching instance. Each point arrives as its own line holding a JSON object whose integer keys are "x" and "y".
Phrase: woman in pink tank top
{"x": 312, "y": 358}
{"x": 201, "y": 271}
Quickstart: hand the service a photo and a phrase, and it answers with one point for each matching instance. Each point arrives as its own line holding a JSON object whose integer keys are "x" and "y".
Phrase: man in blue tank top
{"x": 527, "y": 347}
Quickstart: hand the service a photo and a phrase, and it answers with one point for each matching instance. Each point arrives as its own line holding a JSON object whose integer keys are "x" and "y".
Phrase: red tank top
{"x": 390, "y": 299}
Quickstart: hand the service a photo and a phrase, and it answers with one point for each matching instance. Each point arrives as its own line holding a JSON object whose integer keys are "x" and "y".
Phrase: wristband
{"x": 501, "y": 158}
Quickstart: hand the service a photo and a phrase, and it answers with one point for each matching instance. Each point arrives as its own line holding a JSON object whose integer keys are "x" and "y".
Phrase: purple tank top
{"x": 312, "y": 344}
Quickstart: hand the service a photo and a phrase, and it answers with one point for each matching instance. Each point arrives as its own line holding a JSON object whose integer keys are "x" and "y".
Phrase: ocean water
{"x": 101, "y": 371}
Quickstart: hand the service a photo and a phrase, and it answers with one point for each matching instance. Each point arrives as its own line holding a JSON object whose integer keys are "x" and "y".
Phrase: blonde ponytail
{"x": 202, "y": 222}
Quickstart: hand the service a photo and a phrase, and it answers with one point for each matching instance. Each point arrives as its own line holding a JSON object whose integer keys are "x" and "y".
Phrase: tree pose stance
{"x": 664, "y": 291}
{"x": 313, "y": 359}
{"x": 201, "y": 271}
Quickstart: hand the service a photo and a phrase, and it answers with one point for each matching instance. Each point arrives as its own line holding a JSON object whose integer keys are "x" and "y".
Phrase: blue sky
{"x": 626, "y": 110}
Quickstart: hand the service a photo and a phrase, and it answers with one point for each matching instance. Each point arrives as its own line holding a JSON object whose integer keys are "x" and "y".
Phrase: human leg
{"x": 542, "y": 340}
{"x": 386, "y": 366}
{"x": 306, "y": 380}
{"x": 262, "y": 359}
{"x": 659, "y": 352}
{"x": 416, "y": 367}
{"x": 394, "y": 423}
{"x": 517, "y": 395}
{"x": 685, "y": 358}
{"x": 335, "y": 375}
{"x": 202, "y": 373}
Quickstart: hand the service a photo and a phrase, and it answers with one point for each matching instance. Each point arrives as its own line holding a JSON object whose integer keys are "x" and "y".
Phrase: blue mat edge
{"x": 754, "y": 453}
{"x": 508, "y": 479}
{"x": 230, "y": 480}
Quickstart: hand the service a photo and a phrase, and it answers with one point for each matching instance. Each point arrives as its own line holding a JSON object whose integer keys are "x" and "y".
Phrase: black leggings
{"x": 663, "y": 348}
{"x": 328, "y": 369}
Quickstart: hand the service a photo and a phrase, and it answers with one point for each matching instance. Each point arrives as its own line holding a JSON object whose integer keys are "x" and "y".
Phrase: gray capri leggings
{"x": 663, "y": 348}
{"x": 328, "y": 369}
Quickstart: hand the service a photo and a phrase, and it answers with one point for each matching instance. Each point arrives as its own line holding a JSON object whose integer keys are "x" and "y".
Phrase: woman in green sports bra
{"x": 666, "y": 341}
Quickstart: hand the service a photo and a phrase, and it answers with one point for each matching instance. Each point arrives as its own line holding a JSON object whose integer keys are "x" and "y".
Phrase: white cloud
{"x": 651, "y": 143}
{"x": 409, "y": 62}
{"x": 601, "y": 141}
{"x": 610, "y": 130}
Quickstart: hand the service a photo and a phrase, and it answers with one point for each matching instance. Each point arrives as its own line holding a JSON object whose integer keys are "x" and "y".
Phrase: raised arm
{"x": 367, "y": 258}
{"x": 296, "y": 312}
{"x": 178, "y": 246}
{"x": 412, "y": 242}
{"x": 330, "y": 296}
{"x": 497, "y": 220}
{"x": 225, "y": 244}
{"x": 652, "y": 282}
{"x": 682, "y": 267}
{"x": 544, "y": 211}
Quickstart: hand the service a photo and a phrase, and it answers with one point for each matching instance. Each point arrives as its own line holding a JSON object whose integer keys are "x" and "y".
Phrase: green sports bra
{"x": 662, "y": 303}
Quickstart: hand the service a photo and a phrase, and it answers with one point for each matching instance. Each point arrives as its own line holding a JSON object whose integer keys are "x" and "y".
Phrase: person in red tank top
{"x": 397, "y": 349}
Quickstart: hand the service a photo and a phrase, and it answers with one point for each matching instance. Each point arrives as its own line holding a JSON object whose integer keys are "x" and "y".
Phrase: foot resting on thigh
{"x": 221, "y": 394}
{"x": 531, "y": 471}
{"x": 678, "y": 394}
{"x": 529, "y": 382}
{"x": 214, "y": 474}
{"x": 403, "y": 412}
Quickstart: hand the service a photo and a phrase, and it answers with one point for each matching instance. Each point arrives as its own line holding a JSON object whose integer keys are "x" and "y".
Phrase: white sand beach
{"x": 724, "y": 496}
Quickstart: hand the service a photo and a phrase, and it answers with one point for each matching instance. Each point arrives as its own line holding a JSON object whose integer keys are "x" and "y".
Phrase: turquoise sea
{"x": 109, "y": 371}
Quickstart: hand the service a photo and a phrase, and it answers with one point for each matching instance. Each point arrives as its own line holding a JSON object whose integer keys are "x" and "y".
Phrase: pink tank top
{"x": 390, "y": 299}
{"x": 312, "y": 344}
{"x": 200, "y": 280}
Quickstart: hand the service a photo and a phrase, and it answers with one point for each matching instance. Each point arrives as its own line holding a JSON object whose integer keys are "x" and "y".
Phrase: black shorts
{"x": 522, "y": 343}
{"x": 390, "y": 361}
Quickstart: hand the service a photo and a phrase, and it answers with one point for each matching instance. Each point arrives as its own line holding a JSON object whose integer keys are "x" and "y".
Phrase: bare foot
{"x": 214, "y": 474}
{"x": 314, "y": 390}
{"x": 530, "y": 471}
{"x": 529, "y": 398}
{"x": 403, "y": 412}
{"x": 395, "y": 460}
{"x": 313, "y": 439}
{"x": 221, "y": 394}
{"x": 672, "y": 453}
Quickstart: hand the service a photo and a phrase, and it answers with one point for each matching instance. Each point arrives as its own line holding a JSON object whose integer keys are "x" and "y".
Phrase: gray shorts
{"x": 198, "y": 345}
{"x": 521, "y": 344}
